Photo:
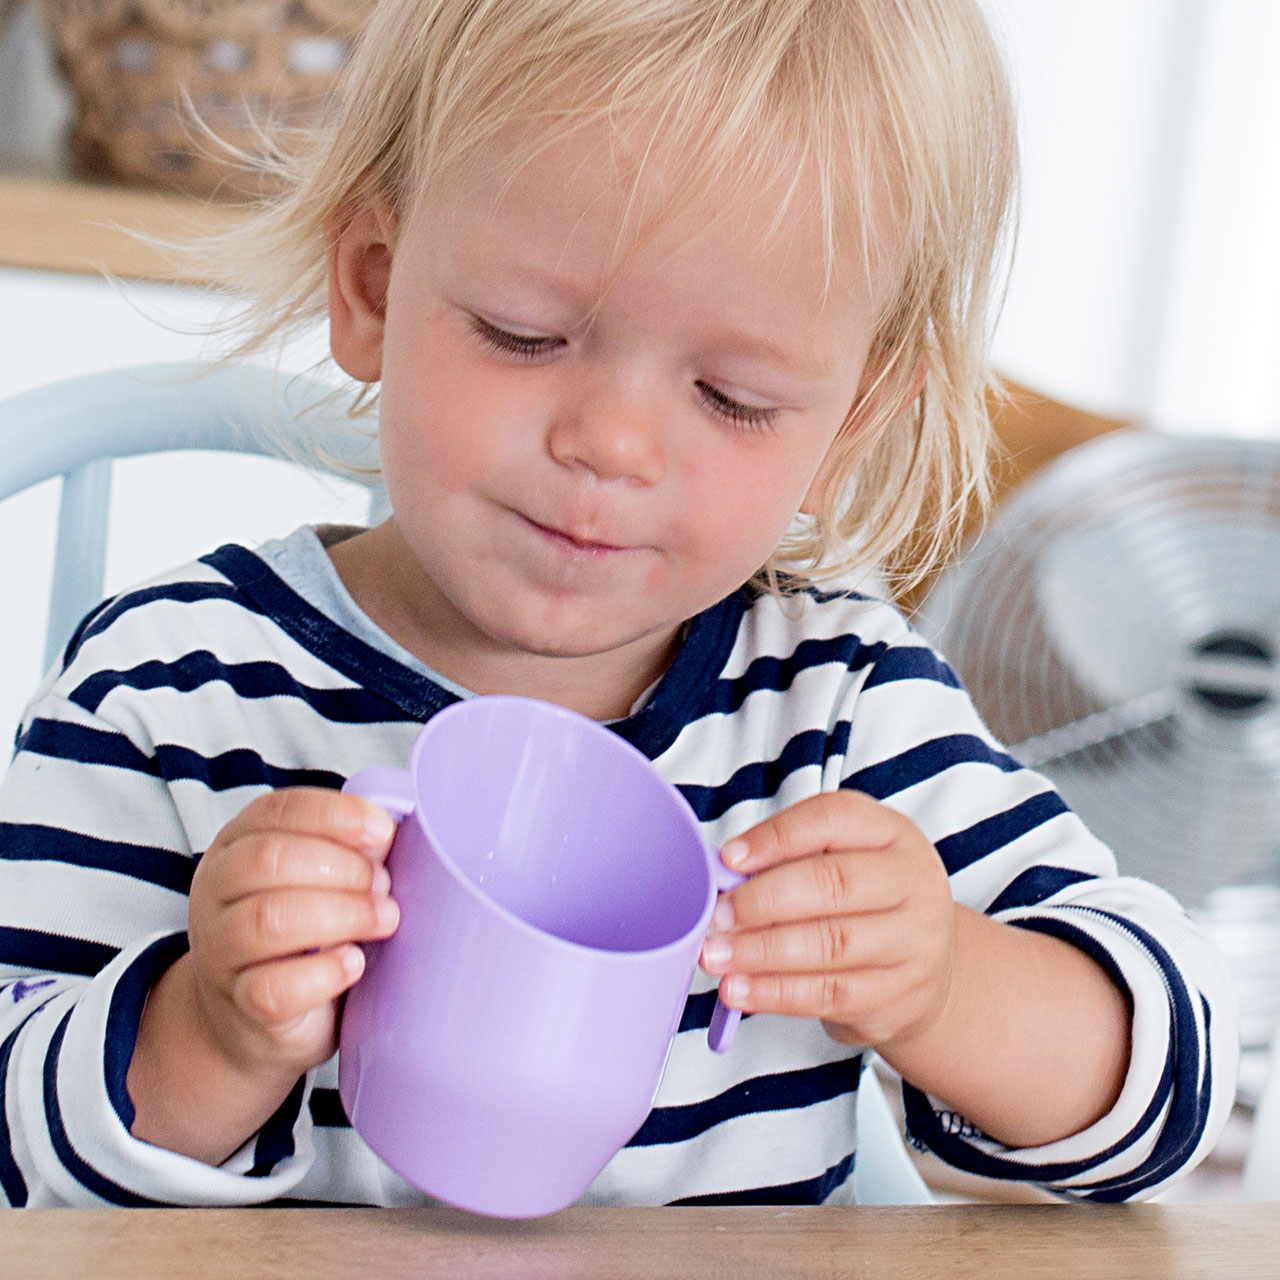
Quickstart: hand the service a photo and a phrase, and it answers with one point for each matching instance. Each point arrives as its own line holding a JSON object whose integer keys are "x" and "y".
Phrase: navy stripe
{"x": 32, "y": 949}
{"x": 416, "y": 696}
{"x": 240, "y": 767}
{"x": 72, "y": 1161}
{"x": 910, "y": 662}
{"x": 1190, "y": 1095}
{"x": 327, "y": 1110}
{"x": 12, "y": 1182}
{"x": 813, "y": 1191}
{"x": 72, "y": 647}
{"x": 926, "y": 761}
{"x": 777, "y": 674}
{"x": 759, "y": 779}
{"x": 785, "y": 1091}
{"x": 698, "y": 1010}
{"x": 28, "y": 842}
{"x": 98, "y": 619}
{"x": 1171, "y": 1150}
{"x": 1034, "y": 885}
{"x": 248, "y": 680}
{"x": 61, "y": 740}
{"x": 124, "y": 1013}
{"x": 837, "y": 740}
{"x": 976, "y": 842}
{"x": 687, "y": 689}
{"x": 275, "y": 1138}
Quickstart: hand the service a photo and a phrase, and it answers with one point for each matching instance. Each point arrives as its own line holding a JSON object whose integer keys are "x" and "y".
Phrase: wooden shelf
{"x": 49, "y": 222}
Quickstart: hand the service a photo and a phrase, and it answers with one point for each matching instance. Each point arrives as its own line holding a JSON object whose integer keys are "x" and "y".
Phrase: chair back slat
{"x": 80, "y": 554}
{"x": 75, "y": 428}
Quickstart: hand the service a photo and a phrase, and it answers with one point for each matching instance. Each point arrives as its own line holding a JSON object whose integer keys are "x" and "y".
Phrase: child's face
{"x": 584, "y": 446}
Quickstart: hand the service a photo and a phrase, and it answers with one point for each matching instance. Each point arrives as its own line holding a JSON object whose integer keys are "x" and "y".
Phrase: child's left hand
{"x": 848, "y": 917}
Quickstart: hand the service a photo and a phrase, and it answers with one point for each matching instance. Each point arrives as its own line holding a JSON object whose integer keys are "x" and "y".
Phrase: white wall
{"x": 1101, "y": 128}
{"x": 1148, "y": 270}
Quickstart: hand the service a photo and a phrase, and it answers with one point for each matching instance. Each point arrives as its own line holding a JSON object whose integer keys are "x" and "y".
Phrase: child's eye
{"x": 734, "y": 411}
{"x": 516, "y": 344}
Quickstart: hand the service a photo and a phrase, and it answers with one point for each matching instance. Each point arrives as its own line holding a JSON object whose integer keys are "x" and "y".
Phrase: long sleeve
{"x": 1014, "y": 850}
{"x": 95, "y": 866}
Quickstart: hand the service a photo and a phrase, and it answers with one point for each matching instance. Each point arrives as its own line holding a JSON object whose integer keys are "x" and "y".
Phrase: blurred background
{"x": 1145, "y": 286}
{"x": 1146, "y": 282}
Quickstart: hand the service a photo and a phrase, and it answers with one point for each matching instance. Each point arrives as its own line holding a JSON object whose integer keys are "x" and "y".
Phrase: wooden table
{"x": 987, "y": 1242}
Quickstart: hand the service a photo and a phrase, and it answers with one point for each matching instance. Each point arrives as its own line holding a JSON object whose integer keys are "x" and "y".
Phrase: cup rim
{"x": 542, "y": 707}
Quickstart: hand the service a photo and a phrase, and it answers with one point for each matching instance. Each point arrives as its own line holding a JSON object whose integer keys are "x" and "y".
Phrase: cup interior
{"x": 562, "y": 823}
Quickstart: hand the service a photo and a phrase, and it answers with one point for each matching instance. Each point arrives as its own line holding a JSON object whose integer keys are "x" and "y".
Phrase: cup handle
{"x": 724, "y": 1021}
{"x": 390, "y": 788}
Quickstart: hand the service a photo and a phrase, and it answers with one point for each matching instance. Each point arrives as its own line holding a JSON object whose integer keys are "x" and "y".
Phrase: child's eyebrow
{"x": 804, "y": 365}
{"x": 511, "y": 270}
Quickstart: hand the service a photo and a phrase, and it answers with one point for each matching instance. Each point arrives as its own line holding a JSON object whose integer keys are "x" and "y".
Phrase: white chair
{"x": 77, "y": 427}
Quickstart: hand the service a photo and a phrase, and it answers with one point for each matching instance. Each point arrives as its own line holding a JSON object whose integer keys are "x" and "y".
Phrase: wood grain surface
{"x": 959, "y": 1242}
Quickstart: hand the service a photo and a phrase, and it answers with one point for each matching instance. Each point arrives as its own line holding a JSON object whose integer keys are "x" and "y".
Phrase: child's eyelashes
{"x": 753, "y": 417}
{"x": 516, "y": 344}
{"x": 531, "y": 346}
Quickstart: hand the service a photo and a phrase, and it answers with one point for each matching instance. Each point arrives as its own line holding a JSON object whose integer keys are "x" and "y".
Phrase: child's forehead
{"x": 623, "y": 180}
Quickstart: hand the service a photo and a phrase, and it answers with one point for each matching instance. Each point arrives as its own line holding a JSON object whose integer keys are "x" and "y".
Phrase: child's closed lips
{"x": 578, "y": 538}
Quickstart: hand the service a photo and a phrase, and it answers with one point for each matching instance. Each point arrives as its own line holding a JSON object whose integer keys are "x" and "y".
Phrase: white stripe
{"x": 772, "y": 1148}
{"x": 51, "y": 896}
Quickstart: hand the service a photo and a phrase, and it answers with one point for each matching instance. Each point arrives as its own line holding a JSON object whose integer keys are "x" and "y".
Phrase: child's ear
{"x": 361, "y": 245}
{"x": 866, "y": 407}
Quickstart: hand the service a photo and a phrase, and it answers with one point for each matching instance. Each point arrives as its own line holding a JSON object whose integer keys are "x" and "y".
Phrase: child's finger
{"x": 281, "y": 990}
{"x": 284, "y": 860}
{"x": 824, "y": 884}
{"x": 833, "y": 820}
{"x": 314, "y": 811}
{"x": 824, "y": 945}
{"x": 285, "y": 922}
{"x": 845, "y": 997}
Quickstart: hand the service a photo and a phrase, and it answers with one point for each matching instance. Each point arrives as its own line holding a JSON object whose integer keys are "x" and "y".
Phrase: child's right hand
{"x": 278, "y": 904}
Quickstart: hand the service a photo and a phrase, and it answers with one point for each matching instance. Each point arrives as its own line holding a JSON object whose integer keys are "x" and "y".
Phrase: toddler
{"x": 674, "y": 313}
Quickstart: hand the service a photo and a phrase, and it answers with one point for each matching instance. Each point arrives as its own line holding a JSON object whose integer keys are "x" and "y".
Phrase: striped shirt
{"x": 182, "y": 700}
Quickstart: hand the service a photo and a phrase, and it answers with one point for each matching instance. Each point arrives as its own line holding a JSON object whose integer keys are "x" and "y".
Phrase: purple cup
{"x": 554, "y": 889}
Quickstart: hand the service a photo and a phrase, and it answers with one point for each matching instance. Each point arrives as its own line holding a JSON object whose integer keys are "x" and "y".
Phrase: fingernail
{"x": 716, "y": 952}
{"x": 381, "y": 880}
{"x": 353, "y": 961}
{"x": 722, "y": 916}
{"x": 734, "y": 853}
{"x": 379, "y": 826}
{"x": 387, "y": 912}
{"x": 734, "y": 990}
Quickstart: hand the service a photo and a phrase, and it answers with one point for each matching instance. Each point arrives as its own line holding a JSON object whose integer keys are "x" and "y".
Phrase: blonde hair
{"x": 897, "y": 101}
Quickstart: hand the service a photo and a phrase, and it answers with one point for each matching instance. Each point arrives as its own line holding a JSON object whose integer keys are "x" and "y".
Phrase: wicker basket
{"x": 139, "y": 68}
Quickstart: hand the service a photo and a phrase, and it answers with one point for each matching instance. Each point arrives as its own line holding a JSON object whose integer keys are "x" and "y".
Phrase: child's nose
{"x": 614, "y": 436}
